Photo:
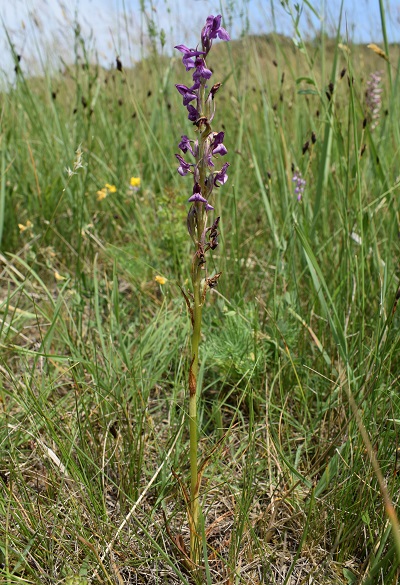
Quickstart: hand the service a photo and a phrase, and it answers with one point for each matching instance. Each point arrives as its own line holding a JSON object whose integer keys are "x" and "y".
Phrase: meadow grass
{"x": 300, "y": 410}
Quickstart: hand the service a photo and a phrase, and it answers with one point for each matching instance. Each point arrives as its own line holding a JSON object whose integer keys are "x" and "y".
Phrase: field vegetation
{"x": 300, "y": 409}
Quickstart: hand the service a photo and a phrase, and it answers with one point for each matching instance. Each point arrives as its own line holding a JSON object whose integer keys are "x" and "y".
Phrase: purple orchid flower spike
{"x": 205, "y": 149}
{"x": 300, "y": 184}
{"x": 210, "y": 144}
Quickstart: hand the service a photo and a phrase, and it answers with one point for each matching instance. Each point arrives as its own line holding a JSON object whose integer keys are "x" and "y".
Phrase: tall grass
{"x": 300, "y": 368}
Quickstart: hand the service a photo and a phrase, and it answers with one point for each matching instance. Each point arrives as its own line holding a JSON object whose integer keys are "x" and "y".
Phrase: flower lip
{"x": 187, "y": 93}
{"x": 184, "y": 167}
{"x": 197, "y": 196}
{"x": 218, "y": 147}
{"x": 221, "y": 177}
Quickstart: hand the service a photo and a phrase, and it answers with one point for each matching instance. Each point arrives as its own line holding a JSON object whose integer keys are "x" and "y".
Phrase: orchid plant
{"x": 205, "y": 153}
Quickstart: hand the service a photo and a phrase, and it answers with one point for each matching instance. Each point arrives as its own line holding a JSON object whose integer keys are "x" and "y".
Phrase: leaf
{"x": 365, "y": 518}
{"x": 307, "y": 92}
{"x": 306, "y": 80}
{"x": 350, "y": 576}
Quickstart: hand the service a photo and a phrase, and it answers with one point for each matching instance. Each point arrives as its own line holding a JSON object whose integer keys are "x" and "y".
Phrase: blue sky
{"x": 42, "y": 30}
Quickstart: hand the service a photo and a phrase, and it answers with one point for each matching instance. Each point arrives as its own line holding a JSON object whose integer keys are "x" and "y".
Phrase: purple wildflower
{"x": 218, "y": 147}
{"x": 197, "y": 196}
{"x": 188, "y": 54}
{"x": 187, "y": 93}
{"x": 300, "y": 184}
{"x": 193, "y": 113}
{"x": 185, "y": 145}
{"x": 373, "y": 97}
{"x": 201, "y": 71}
{"x": 210, "y": 144}
{"x": 212, "y": 30}
{"x": 184, "y": 167}
{"x": 221, "y": 177}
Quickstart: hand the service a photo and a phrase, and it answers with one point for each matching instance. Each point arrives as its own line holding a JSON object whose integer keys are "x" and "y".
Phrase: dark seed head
{"x": 214, "y": 89}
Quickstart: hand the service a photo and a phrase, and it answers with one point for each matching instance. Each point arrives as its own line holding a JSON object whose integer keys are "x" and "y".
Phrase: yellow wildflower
{"x": 27, "y": 226}
{"x": 160, "y": 279}
{"x": 102, "y": 194}
{"x": 58, "y": 276}
{"x": 111, "y": 188}
{"x": 135, "y": 182}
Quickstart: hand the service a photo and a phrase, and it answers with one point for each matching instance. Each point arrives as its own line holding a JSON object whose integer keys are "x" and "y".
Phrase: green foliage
{"x": 94, "y": 357}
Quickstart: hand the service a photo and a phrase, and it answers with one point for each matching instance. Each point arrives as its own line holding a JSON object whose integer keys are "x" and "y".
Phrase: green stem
{"x": 193, "y": 376}
{"x": 197, "y": 274}
{"x": 193, "y": 431}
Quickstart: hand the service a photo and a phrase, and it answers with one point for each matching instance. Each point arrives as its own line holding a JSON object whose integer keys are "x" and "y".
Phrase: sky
{"x": 42, "y": 31}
